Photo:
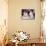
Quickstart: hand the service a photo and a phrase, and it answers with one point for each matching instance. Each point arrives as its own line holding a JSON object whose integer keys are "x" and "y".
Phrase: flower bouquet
{"x": 21, "y": 36}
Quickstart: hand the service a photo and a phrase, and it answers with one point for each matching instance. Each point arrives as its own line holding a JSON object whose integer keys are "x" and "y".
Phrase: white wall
{"x": 16, "y": 23}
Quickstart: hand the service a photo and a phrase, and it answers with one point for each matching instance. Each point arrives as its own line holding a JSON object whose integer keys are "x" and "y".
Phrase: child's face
{"x": 30, "y": 13}
{"x": 25, "y": 14}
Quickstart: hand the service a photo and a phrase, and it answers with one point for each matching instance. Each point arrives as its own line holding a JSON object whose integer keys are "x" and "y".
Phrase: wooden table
{"x": 40, "y": 44}
{"x": 33, "y": 42}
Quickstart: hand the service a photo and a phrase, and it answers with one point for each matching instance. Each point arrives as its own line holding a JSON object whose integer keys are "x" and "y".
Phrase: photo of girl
{"x": 28, "y": 14}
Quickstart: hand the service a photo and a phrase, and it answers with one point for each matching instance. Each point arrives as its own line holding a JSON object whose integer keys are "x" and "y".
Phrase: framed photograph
{"x": 28, "y": 14}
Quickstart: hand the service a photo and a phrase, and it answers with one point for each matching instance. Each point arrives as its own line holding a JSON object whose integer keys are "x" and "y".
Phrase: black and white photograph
{"x": 28, "y": 14}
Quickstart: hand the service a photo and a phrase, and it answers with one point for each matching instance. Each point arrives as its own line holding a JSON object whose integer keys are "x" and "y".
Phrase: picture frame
{"x": 28, "y": 14}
